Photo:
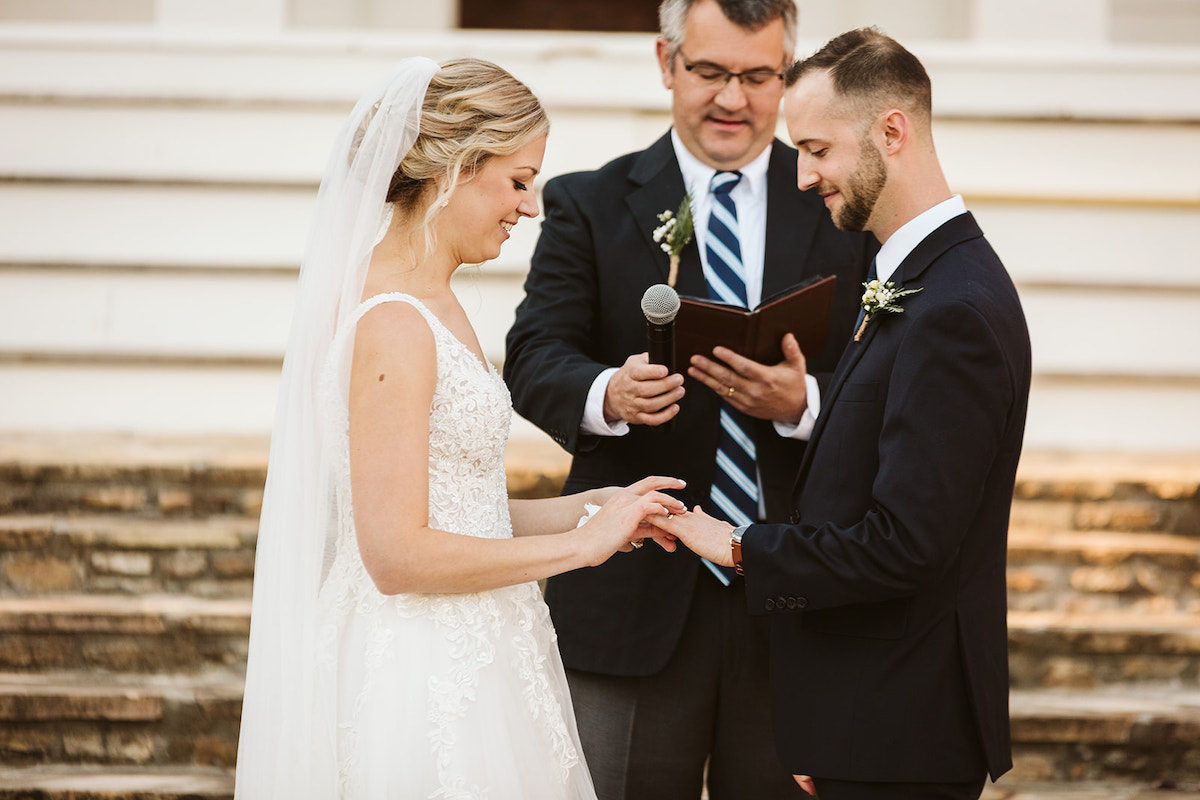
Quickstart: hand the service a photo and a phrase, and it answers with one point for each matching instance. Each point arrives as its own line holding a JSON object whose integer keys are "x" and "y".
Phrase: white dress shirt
{"x": 912, "y": 233}
{"x": 750, "y": 195}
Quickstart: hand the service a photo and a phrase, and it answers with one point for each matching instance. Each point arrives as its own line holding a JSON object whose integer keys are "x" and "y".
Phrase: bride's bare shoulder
{"x": 394, "y": 334}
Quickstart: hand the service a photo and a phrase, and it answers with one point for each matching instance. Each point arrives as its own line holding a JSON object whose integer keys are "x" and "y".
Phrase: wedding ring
{"x": 731, "y": 391}
{"x": 637, "y": 544}
{"x": 670, "y": 515}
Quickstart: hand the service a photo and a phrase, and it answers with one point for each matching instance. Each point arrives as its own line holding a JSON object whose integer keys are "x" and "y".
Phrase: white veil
{"x": 287, "y": 745}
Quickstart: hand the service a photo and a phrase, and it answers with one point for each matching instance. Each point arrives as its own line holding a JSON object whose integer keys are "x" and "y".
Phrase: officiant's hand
{"x": 778, "y": 393}
{"x": 642, "y": 393}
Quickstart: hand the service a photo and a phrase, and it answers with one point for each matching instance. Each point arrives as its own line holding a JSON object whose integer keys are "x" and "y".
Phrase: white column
{"x": 1078, "y": 21}
{"x": 415, "y": 14}
{"x": 248, "y": 14}
{"x": 388, "y": 15}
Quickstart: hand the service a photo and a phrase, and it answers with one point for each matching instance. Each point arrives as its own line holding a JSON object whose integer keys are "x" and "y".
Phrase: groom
{"x": 886, "y": 593}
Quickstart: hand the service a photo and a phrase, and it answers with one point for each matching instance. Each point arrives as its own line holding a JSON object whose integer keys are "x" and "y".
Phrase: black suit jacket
{"x": 889, "y": 656}
{"x": 582, "y": 314}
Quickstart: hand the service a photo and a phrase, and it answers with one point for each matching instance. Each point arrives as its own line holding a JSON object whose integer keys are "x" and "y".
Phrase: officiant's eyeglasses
{"x": 715, "y": 77}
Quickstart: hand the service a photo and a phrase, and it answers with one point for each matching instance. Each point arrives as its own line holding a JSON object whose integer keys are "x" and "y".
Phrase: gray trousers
{"x": 651, "y": 738}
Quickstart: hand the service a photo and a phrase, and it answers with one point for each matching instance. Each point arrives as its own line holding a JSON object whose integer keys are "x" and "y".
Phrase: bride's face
{"x": 483, "y": 210}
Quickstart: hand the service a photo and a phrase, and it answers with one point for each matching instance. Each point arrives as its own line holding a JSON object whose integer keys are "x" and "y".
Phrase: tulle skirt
{"x": 454, "y": 696}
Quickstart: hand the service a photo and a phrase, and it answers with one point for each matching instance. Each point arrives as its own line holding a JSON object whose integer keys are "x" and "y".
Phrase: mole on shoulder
{"x": 381, "y": 377}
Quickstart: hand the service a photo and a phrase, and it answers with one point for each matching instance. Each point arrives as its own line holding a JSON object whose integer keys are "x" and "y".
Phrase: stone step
{"x": 1005, "y": 789}
{"x": 181, "y": 633}
{"x": 96, "y": 783}
{"x": 91, "y": 718}
{"x": 1048, "y": 570}
{"x": 195, "y": 476}
{"x": 126, "y": 554}
{"x": 152, "y": 476}
{"x": 117, "y": 633}
{"x": 1108, "y": 491}
{"x": 1069, "y": 570}
{"x": 157, "y": 476}
{"x": 1060, "y": 650}
{"x": 1108, "y": 733}
{"x": 74, "y": 782}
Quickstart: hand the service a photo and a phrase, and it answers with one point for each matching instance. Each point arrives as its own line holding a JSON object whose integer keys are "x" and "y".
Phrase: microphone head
{"x": 660, "y": 304}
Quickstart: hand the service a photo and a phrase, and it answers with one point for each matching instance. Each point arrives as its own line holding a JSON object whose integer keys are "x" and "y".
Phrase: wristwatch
{"x": 735, "y": 544}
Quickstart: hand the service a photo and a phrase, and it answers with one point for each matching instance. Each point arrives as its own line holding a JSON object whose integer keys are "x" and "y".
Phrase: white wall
{"x": 156, "y": 187}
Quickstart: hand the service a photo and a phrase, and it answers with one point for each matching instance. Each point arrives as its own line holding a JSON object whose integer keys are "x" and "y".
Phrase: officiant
{"x": 667, "y": 670}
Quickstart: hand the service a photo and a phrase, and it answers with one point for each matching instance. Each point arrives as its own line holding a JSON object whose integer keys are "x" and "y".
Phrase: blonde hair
{"x": 473, "y": 110}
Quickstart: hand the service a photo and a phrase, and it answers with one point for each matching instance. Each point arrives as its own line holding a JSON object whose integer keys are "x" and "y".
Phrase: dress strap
{"x": 393, "y": 297}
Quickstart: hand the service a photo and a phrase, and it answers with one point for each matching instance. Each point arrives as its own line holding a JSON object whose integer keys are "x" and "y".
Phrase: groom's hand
{"x": 806, "y": 783}
{"x": 704, "y": 535}
{"x": 642, "y": 393}
{"x": 777, "y": 393}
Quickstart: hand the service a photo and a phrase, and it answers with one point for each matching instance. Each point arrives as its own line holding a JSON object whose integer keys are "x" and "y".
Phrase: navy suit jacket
{"x": 581, "y": 314}
{"x": 889, "y": 650}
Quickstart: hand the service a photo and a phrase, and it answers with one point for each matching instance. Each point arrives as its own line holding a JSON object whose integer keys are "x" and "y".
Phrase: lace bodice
{"x": 469, "y": 421}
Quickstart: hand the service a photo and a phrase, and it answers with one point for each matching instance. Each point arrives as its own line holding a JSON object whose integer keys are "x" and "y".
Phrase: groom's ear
{"x": 895, "y": 131}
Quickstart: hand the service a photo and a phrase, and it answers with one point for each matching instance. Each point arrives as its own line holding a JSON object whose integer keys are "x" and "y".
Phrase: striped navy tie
{"x": 735, "y": 481}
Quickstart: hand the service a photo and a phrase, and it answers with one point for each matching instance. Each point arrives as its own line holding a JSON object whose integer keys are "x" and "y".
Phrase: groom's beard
{"x": 862, "y": 191}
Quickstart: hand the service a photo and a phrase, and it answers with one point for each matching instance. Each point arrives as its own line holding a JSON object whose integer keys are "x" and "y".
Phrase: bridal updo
{"x": 473, "y": 110}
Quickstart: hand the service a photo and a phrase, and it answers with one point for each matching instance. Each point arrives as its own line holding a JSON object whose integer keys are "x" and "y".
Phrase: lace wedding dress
{"x": 456, "y": 695}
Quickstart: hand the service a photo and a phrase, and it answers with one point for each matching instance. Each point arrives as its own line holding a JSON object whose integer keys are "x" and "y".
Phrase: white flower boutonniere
{"x": 675, "y": 233}
{"x": 880, "y": 297}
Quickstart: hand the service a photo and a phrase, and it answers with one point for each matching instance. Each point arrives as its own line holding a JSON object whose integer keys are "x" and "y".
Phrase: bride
{"x": 399, "y": 645}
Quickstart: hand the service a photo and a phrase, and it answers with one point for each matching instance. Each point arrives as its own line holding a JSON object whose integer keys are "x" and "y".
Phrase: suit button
{"x": 794, "y": 519}
{"x": 770, "y": 604}
{"x": 791, "y": 603}
{"x": 801, "y": 602}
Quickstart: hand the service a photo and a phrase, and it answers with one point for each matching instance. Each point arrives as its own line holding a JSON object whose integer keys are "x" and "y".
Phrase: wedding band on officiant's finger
{"x": 637, "y": 544}
{"x": 731, "y": 391}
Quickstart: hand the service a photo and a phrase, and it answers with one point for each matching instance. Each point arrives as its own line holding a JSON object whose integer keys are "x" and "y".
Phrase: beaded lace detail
{"x": 469, "y": 418}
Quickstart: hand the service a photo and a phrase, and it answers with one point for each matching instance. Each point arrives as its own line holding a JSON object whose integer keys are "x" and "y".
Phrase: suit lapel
{"x": 953, "y": 232}
{"x": 849, "y": 360}
{"x": 659, "y": 186}
{"x": 790, "y": 233}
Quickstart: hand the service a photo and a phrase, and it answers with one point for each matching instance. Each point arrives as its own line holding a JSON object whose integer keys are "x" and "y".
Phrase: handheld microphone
{"x": 660, "y": 304}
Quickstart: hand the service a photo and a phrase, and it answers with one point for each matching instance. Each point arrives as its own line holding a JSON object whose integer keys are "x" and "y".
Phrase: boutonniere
{"x": 675, "y": 233}
{"x": 879, "y": 297}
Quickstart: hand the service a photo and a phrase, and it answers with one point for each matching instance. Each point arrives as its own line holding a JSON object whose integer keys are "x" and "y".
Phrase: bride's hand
{"x": 652, "y": 483}
{"x": 621, "y": 520}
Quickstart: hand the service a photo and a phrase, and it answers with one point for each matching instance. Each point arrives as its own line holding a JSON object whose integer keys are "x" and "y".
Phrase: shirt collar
{"x": 697, "y": 175}
{"x": 912, "y": 233}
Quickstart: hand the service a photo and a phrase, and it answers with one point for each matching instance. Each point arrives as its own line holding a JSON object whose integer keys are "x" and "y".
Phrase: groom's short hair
{"x": 870, "y": 70}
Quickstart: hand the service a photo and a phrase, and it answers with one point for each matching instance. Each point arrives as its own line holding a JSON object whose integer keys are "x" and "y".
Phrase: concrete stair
{"x": 125, "y": 568}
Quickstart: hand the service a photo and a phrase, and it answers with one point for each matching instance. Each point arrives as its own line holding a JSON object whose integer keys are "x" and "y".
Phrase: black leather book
{"x": 802, "y": 310}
